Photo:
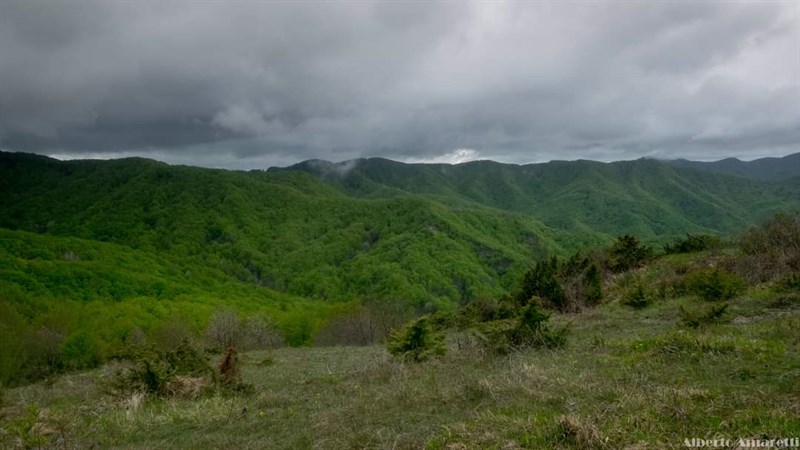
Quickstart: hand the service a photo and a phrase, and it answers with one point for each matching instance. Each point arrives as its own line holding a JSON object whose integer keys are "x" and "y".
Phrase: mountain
{"x": 764, "y": 169}
{"x": 374, "y": 228}
{"x": 282, "y": 231}
{"x": 649, "y": 198}
{"x": 92, "y": 251}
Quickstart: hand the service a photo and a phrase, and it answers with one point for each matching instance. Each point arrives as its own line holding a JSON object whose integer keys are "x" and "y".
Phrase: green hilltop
{"x": 375, "y": 228}
{"x": 153, "y": 243}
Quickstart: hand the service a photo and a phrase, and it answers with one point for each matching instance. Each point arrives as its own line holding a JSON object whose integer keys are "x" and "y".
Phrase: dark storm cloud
{"x": 249, "y": 84}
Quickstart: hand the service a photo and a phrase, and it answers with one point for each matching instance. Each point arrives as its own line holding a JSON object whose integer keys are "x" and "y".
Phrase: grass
{"x": 627, "y": 379}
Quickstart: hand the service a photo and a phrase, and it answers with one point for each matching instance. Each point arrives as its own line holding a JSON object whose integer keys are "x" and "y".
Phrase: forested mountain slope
{"x": 650, "y": 198}
{"x": 375, "y": 228}
{"x": 765, "y": 169}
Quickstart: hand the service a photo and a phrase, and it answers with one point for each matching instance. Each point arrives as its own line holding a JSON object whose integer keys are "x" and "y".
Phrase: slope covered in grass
{"x": 627, "y": 378}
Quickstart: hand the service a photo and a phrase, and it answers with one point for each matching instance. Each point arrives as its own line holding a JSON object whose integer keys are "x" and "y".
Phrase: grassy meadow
{"x": 627, "y": 378}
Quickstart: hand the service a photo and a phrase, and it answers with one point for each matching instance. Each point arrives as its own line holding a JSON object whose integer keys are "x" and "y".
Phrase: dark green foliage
{"x": 789, "y": 283}
{"x": 710, "y": 315}
{"x": 628, "y": 253}
{"x": 693, "y": 243}
{"x": 542, "y": 282}
{"x": 594, "y": 284}
{"x": 532, "y": 330}
{"x": 480, "y": 311}
{"x": 715, "y": 285}
{"x": 156, "y": 371}
{"x": 80, "y": 351}
{"x": 637, "y": 298}
{"x": 502, "y": 327}
{"x": 417, "y": 341}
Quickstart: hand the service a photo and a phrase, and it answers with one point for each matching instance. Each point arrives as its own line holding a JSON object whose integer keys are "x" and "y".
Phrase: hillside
{"x": 648, "y": 198}
{"x": 764, "y": 169}
{"x": 628, "y": 377}
{"x": 285, "y": 231}
{"x": 430, "y": 234}
{"x": 160, "y": 244}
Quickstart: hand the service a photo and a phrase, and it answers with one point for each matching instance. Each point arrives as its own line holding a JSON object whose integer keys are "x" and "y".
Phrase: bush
{"x": 594, "y": 284}
{"x": 627, "y": 253}
{"x": 693, "y": 244}
{"x": 165, "y": 373}
{"x": 80, "y": 351}
{"x": 532, "y": 330}
{"x": 528, "y": 330}
{"x": 417, "y": 341}
{"x": 715, "y": 285}
{"x": 637, "y": 298}
{"x": 789, "y": 283}
{"x": 542, "y": 282}
{"x": 225, "y": 329}
{"x": 708, "y": 316}
{"x": 769, "y": 250}
{"x": 229, "y": 367}
{"x": 778, "y": 236}
{"x": 356, "y": 327}
{"x": 481, "y": 311}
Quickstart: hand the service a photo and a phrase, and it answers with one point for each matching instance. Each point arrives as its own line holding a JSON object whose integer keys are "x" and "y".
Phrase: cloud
{"x": 252, "y": 83}
{"x": 458, "y": 156}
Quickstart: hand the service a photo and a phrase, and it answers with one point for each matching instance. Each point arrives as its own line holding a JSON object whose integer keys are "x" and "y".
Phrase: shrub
{"x": 481, "y": 311}
{"x": 693, "y": 244}
{"x": 526, "y": 329}
{"x": 229, "y": 367}
{"x": 224, "y": 329}
{"x": 637, "y": 298}
{"x": 715, "y": 285}
{"x": 594, "y": 284}
{"x": 356, "y": 327}
{"x": 789, "y": 283}
{"x": 164, "y": 373}
{"x": 628, "y": 253}
{"x": 260, "y": 333}
{"x": 778, "y": 236}
{"x": 495, "y": 336}
{"x": 705, "y": 317}
{"x": 769, "y": 250}
{"x": 80, "y": 351}
{"x": 542, "y": 282}
{"x": 417, "y": 341}
{"x": 532, "y": 330}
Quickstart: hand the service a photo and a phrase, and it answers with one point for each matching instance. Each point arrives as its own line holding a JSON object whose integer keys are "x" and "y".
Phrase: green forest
{"x": 164, "y": 270}
{"x": 102, "y": 250}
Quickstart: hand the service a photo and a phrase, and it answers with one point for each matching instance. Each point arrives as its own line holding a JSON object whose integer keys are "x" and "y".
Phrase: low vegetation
{"x": 679, "y": 345}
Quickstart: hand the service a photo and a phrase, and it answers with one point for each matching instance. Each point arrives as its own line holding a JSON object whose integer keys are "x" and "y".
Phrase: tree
{"x": 418, "y": 341}
{"x": 542, "y": 281}
{"x": 628, "y": 253}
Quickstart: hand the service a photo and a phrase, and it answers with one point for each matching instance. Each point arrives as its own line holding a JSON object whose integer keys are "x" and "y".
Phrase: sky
{"x": 246, "y": 85}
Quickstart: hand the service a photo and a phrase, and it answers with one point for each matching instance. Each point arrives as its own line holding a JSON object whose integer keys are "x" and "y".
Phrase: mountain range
{"x": 297, "y": 241}
{"x": 380, "y": 228}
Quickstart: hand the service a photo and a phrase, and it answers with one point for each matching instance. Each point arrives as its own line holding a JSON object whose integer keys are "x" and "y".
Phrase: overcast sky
{"x": 255, "y": 84}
